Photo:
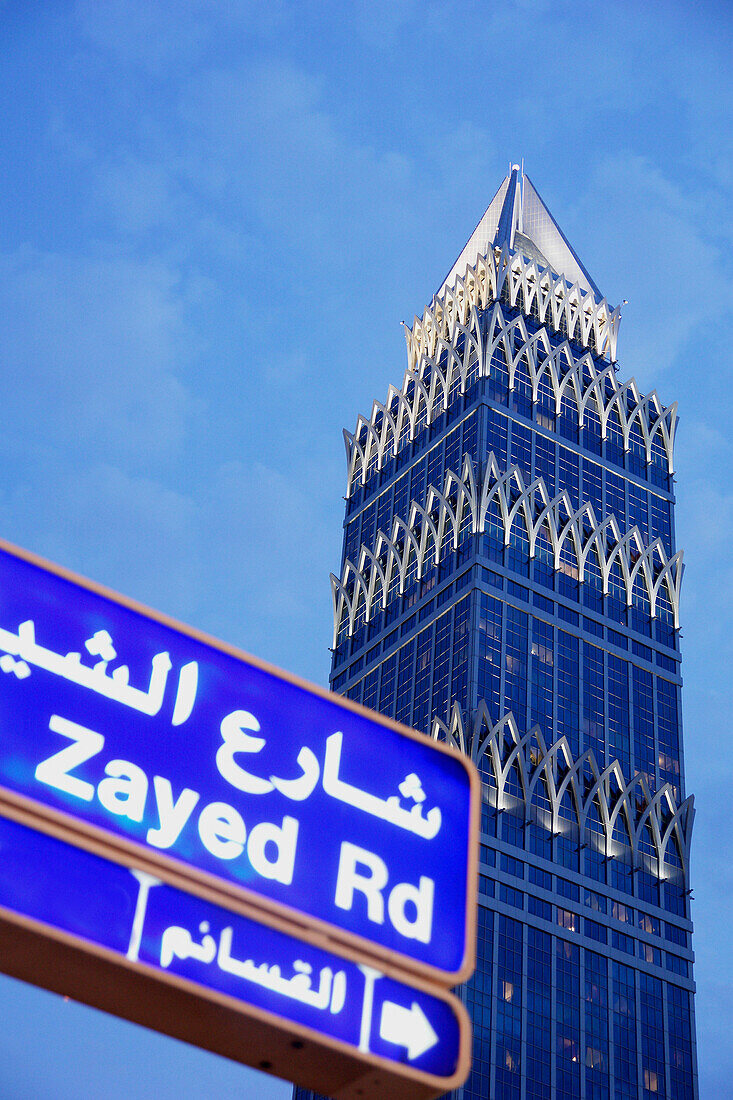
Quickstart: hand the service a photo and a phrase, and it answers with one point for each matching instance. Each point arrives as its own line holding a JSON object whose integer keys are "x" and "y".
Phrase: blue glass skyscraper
{"x": 510, "y": 584}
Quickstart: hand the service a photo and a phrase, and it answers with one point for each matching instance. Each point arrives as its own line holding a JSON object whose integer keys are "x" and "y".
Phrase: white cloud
{"x": 156, "y": 36}
{"x": 382, "y": 23}
{"x": 132, "y": 533}
{"x": 137, "y": 195}
{"x": 97, "y": 342}
{"x": 245, "y": 556}
{"x": 674, "y": 277}
{"x": 281, "y": 538}
{"x": 274, "y": 132}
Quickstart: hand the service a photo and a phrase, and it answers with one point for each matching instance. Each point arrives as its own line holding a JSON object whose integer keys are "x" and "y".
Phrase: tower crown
{"x": 517, "y": 219}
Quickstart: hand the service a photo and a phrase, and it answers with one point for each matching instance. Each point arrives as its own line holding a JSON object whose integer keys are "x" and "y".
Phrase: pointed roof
{"x": 518, "y": 218}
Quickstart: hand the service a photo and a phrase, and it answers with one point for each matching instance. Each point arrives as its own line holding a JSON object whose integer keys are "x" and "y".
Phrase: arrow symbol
{"x": 407, "y": 1027}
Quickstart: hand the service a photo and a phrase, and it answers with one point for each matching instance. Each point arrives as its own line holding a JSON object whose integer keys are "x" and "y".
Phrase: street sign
{"x": 262, "y": 996}
{"x": 199, "y": 756}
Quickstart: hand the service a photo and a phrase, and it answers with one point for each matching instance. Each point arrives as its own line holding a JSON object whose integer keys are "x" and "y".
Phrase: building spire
{"x": 517, "y": 219}
{"x": 510, "y": 218}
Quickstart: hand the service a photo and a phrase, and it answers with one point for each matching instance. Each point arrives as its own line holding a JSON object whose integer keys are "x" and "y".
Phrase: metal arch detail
{"x": 640, "y": 571}
{"x": 453, "y": 345}
{"x": 528, "y": 287}
{"x": 549, "y": 782}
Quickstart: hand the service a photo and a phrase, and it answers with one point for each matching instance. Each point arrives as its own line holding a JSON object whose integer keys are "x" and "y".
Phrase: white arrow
{"x": 407, "y": 1027}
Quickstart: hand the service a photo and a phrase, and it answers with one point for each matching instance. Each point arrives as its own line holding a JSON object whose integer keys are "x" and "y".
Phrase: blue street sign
{"x": 145, "y": 921}
{"x": 310, "y": 805}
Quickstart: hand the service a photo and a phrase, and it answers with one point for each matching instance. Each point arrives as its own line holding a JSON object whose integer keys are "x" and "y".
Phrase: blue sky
{"x": 213, "y": 217}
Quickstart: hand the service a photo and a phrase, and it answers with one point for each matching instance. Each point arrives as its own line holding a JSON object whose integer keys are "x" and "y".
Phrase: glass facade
{"x": 509, "y": 585}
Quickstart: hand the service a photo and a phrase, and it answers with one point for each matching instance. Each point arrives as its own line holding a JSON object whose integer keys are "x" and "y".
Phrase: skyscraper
{"x": 510, "y": 584}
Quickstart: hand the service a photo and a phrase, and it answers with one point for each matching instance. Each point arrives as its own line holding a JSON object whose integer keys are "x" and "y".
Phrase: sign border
{"x": 71, "y": 965}
{"x": 295, "y": 917}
